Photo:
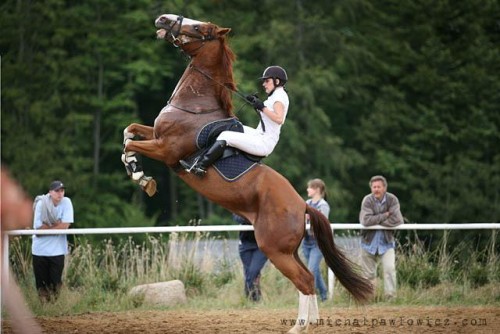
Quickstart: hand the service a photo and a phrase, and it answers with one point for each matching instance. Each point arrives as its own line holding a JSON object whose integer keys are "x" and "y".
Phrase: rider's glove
{"x": 255, "y": 101}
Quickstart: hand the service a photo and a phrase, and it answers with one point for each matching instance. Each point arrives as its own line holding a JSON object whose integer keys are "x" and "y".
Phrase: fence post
{"x": 331, "y": 283}
{"x": 5, "y": 259}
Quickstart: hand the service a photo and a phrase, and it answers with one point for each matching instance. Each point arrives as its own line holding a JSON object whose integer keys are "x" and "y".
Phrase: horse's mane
{"x": 228, "y": 58}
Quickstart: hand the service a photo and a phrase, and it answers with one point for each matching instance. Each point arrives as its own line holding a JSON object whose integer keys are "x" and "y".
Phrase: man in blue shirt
{"x": 52, "y": 211}
{"x": 380, "y": 208}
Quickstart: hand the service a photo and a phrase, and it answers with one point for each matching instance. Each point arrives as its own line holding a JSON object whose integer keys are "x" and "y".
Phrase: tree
{"x": 405, "y": 89}
{"x": 71, "y": 93}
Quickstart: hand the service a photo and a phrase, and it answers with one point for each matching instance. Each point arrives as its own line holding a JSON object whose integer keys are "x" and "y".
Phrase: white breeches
{"x": 250, "y": 141}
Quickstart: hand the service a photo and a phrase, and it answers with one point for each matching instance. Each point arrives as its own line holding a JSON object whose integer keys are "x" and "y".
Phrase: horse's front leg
{"x": 129, "y": 156}
{"x": 134, "y": 129}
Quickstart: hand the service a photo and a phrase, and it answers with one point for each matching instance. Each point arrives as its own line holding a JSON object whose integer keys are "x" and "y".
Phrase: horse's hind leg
{"x": 292, "y": 267}
{"x": 129, "y": 156}
{"x": 313, "y": 303}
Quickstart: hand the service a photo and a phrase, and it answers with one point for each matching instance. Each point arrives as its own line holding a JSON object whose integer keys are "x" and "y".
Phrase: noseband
{"x": 175, "y": 34}
{"x": 172, "y": 25}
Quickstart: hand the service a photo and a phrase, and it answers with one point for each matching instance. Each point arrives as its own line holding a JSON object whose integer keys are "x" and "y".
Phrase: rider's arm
{"x": 278, "y": 114}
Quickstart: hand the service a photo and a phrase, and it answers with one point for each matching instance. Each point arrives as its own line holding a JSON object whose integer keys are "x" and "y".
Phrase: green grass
{"x": 97, "y": 277}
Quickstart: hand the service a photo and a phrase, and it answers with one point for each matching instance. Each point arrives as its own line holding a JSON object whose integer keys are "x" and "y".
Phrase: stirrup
{"x": 193, "y": 169}
{"x": 186, "y": 166}
{"x": 198, "y": 171}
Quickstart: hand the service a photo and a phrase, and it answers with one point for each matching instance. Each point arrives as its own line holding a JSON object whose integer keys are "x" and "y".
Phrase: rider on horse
{"x": 262, "y": 140}
{"x": 264, "y": 197}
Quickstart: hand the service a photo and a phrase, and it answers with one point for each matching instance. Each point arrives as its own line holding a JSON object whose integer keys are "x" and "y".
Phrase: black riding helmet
{"x": 275, "y": 72}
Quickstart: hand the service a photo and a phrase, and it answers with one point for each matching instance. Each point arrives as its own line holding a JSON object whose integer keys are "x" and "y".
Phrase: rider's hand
{"x": 255, "y": 102}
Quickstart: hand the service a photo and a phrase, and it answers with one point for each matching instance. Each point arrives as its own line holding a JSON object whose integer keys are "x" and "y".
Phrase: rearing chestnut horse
{"x": 263, "y": 196}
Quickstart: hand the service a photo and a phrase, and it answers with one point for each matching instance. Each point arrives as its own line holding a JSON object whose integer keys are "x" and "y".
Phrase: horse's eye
{"x": 196, "y": 27}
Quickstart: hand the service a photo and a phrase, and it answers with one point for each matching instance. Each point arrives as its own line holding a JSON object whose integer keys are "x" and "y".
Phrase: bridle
{"x": 175, "y": 34}
{"x": 178, "y": 43}
{"x": 199, "y": 38}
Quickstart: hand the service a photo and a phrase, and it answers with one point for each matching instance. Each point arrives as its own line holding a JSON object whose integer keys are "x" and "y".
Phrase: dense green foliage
{"x": 407, "y": 89}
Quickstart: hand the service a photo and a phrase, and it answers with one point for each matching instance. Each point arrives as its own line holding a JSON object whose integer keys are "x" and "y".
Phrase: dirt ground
{"x": 372, "y": 319}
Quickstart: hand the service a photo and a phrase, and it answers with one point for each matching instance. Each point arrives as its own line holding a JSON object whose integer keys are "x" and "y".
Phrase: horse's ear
{"x": 222, "y": 31}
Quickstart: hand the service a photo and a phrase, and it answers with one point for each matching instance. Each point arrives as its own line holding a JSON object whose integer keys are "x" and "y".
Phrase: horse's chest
{"x": 195, "y": 91}
{"x": 170, "y": 125}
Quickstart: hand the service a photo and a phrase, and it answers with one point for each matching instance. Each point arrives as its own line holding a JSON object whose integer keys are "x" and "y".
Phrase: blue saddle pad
{"x": 233, "y": 164}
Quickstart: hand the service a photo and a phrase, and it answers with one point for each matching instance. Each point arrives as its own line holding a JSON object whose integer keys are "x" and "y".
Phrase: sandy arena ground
{"x": 372, "y": 319}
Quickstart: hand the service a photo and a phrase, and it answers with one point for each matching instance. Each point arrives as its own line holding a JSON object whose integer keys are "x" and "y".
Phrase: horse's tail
{"x": 345, "y": 270}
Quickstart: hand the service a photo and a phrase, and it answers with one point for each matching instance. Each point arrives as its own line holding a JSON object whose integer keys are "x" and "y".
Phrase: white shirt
{"x": 273, "y": 129}
{"x": 257, "y": 141}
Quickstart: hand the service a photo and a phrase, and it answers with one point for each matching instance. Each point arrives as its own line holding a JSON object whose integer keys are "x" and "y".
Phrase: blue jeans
{"x": 253, "y": 261}
{"x": 313, "y": 257}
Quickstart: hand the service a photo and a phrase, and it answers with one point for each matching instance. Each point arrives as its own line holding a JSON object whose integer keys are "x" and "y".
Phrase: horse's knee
{"x": 127, "y": 135}
{"x": 126, "y": 149}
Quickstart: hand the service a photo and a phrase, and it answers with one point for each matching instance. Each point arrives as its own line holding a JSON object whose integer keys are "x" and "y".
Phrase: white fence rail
{"x": 226, "y": 228}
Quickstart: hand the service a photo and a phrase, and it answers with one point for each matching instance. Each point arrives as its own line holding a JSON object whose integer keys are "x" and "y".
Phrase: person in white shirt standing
{"x": 262, "y": 140}
{"x": 52, "y": 211}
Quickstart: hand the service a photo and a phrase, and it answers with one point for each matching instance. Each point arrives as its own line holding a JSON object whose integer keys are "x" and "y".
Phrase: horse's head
{"x": 183, "y": 32}
{"x": 207, "y": 44}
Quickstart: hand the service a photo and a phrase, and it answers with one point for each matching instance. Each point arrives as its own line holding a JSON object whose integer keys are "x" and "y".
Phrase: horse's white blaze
{"x": 185, "y": 21}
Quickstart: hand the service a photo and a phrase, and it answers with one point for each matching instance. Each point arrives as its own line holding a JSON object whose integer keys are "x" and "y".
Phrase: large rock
{"x": 160, "y": 294}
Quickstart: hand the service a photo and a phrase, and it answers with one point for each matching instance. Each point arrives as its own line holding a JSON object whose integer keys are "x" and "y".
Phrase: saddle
{"x": 234, "y": 163}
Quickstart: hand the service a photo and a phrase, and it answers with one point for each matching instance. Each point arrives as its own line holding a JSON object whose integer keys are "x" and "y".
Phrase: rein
{"x": 177, "y": 42}
{"x": 217, "y": 82}
{"x": 194, "y": 112}
{"x": 240, "y": 95}
{"x": 188, "y": 110}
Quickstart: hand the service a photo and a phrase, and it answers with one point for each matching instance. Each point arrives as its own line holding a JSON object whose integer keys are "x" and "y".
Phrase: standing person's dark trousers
{"x": 252, "y": 258}
{"x": 48, "y": 272}
{"x": 253, "y": 261}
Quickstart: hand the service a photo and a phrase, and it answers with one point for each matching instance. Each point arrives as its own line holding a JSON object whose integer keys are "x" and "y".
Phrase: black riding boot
{"x": 213, "y": 153}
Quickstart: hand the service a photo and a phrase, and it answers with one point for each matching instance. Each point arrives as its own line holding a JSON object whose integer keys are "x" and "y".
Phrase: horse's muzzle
{"x": 161, "y": 33}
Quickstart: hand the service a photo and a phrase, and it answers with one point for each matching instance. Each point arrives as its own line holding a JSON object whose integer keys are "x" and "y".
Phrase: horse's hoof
{"x": 297, "y": 329}
{"x": 313, "y": 326}
{"x": 150, "y": 187}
